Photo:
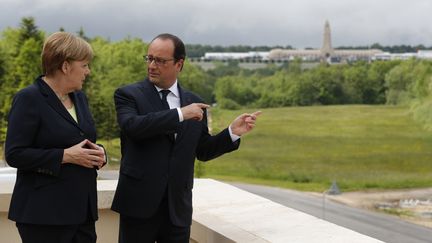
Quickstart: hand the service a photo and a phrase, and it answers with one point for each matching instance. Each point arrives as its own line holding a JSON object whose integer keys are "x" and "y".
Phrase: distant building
{"x": 421, "y": 54}
{"x": 252, "y": 56}
{"x": 424, "y": 54}
{"x": 326, "y": 52}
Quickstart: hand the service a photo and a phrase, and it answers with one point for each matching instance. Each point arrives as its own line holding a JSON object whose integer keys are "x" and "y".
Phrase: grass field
{"x": 306, "y": 148}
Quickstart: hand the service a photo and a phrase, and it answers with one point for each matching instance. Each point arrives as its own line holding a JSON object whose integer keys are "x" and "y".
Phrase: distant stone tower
{"x": 327, "y": 49}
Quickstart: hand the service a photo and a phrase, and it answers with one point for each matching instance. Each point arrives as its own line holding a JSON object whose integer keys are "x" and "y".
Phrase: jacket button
{"x": 81, "y": 133}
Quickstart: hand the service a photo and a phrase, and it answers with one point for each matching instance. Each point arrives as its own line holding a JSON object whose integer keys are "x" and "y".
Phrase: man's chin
{"x": 153, "y": 80}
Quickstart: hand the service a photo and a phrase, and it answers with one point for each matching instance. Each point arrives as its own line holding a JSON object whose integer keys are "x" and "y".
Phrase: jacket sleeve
{"x": 211, "y": 147}
{"x": 141, "y": 126}
{"x": 20, "y": 151}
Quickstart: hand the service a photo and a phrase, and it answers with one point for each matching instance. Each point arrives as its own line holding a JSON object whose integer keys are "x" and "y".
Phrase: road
{"x": 386, "y": 228}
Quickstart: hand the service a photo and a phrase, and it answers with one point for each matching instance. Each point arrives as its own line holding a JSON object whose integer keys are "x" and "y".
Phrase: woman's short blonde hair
{"x": 62, "y": 46}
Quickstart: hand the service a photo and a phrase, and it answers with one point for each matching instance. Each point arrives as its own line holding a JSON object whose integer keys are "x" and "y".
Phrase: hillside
{"x": 306, "y": 148}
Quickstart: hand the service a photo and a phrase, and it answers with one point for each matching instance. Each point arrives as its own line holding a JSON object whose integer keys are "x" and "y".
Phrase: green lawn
{"x": 306, "y": 148}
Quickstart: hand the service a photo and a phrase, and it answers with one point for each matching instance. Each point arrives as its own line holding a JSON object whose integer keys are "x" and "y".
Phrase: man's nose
{"x": 152, "y": 62}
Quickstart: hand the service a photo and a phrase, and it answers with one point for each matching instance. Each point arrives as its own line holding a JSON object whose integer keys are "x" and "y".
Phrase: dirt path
{"x": 413, "y": 205}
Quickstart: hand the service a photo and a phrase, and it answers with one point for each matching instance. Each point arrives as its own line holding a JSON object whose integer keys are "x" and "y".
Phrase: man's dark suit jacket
{"x": 39, "y": 129}
{"x": 152, "y": 164}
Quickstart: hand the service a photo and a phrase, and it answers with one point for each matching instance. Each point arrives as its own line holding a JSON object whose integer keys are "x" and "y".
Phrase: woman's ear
{"x": 65, "y": 67}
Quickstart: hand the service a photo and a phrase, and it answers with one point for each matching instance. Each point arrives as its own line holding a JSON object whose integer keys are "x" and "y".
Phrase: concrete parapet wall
{"x": 222, "y": 213}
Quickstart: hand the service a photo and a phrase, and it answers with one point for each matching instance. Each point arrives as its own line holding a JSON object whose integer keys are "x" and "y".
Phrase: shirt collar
{"x": 174, "y": 89}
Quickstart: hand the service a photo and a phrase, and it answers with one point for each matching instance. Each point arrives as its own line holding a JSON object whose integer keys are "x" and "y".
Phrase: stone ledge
{"x": 245, "y": 217}
{"x": 222, "y": 213}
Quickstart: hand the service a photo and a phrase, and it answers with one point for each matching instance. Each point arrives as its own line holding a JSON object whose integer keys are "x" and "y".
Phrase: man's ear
{"x": 180, "y": 64}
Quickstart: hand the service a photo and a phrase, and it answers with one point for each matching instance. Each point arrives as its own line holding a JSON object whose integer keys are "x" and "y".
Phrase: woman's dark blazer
{"x": 39, "y": 129}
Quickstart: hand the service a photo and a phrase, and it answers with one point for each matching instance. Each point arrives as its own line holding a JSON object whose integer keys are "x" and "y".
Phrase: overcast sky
{"x": 298, "y": 23}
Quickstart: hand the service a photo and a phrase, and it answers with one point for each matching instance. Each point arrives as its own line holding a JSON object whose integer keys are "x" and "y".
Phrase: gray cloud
{"x": 229, "y": 22}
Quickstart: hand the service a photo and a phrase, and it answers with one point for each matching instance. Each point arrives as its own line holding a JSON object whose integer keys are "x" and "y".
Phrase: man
{"x": 163, "y": 129}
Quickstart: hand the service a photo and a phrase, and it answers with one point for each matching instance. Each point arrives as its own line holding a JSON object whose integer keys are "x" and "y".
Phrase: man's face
{"x": 161, "y": 66}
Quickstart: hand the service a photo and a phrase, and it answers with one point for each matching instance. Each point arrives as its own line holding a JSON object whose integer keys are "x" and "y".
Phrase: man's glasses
{"x": 157, "y": 60}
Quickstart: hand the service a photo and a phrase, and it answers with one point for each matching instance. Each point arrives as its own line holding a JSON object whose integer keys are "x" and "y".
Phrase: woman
{"x": 50, "y": 140}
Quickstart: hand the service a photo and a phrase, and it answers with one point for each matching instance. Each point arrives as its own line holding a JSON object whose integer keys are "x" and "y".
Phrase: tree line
{"x": 227, "y": 85}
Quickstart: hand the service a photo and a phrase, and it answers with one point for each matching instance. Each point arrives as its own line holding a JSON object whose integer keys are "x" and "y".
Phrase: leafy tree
{"x": 29, "y": 30}
{"x": 82, "y": 34}
{"x": 328, "y": 82}
{"x": 421, "y": 104}
{"x": 354, "y": 84}
{"x": 114, "y": 65}
{"x": 195, "y": 79}
{"x": 303, "y": 91}
{"x": 376, "y": 89}
{"x": 21, "y": 63}
{"x": 399, "y": 82}
{"x": 28, "y": 63}
{"x": 422, "y": 80}
{"x": 225, "y": 88}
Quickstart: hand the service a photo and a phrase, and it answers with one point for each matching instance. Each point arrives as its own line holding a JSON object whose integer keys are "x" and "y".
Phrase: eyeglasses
{"x": 157, "y": 60}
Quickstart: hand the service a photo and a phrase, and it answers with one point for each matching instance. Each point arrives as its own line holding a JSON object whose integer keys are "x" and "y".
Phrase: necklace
{"x": 63, "y": 98}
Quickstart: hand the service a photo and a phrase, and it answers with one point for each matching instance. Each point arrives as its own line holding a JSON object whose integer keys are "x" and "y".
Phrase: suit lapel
{"x": 151, "y": 94}
{"x": 54, "y": 102}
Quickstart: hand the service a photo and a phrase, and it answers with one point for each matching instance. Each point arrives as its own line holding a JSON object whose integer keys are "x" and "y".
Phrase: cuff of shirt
{"x": 180, "y": 114}
{"x": 233, "y": 136}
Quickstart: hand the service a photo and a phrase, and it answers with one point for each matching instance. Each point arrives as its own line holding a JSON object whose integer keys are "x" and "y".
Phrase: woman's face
{"x": 77, "y": 73}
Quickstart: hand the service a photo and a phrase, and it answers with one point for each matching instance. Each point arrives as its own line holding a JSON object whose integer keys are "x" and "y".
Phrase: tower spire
{"x": 327, "y": 49}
